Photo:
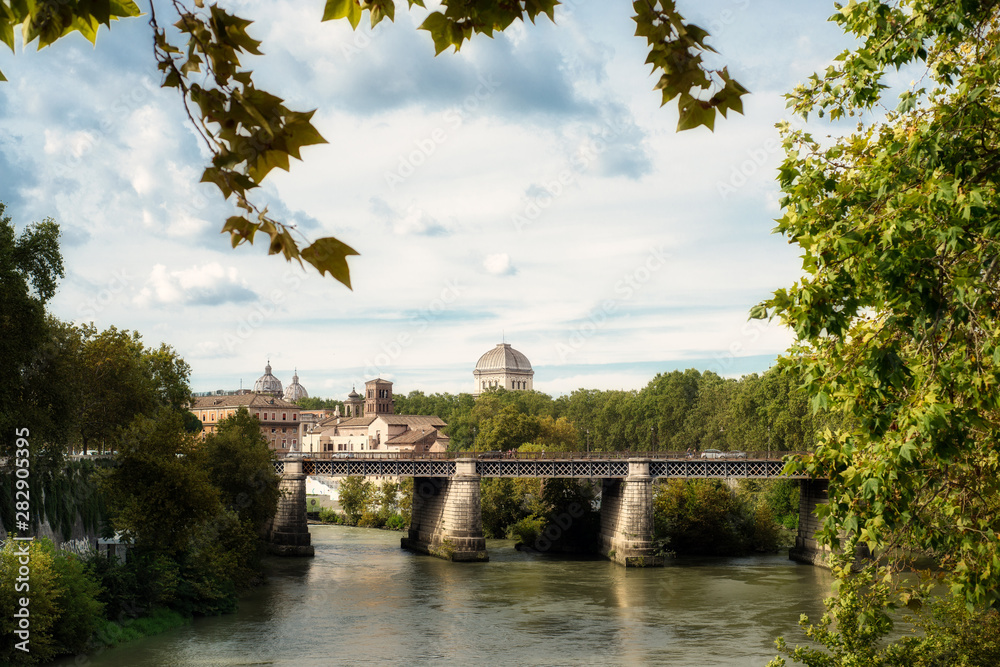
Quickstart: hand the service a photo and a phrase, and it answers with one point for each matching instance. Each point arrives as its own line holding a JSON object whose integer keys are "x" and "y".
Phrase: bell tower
{"x": 378, "y": 397}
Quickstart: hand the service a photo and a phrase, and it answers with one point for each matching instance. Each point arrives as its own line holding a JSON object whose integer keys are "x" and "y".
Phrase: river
{"x": 363, "y": 600}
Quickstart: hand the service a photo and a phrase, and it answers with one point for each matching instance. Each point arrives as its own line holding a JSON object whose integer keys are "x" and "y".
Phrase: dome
{"x": 354, "y": 395}
{"x": 267, "y": 383}
{"x": 295, "y": 391}
{"x": 503, "y": 358}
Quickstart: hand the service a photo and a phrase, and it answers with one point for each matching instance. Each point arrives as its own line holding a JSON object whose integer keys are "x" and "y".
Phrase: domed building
{"x": 503, "y": 366}
{"x": 353, "y": 405}
{"x": 267, "y": 383}
{"x": 295, "y": 391}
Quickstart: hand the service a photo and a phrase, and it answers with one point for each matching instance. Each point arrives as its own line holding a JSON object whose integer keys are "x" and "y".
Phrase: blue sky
{"x": 529, "y": 187}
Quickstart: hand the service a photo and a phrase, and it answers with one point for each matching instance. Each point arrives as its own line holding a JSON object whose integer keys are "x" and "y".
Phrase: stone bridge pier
{"x": 446, "y": 517}
{"x": 289, "y": 530}
{"x": 627, "y": 518}
{"x": 812, "y": 493}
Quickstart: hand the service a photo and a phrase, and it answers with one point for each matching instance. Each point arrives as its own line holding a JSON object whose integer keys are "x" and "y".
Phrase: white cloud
{"x": 498, "y": 264}
{"x": 210, "y": 285}
{"x": 101, "y": 148}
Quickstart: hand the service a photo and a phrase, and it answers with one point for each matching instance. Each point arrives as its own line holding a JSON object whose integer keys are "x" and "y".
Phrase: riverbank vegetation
{"x": 695, "y": 517}
{"x": 369, "y": 504}
{"x": 674, "y": 412}
{"x": 191, "y": 512}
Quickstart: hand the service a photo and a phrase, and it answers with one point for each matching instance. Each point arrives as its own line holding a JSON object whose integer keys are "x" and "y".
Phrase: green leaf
{"x": 339, "y": 9}
{"x": 694, "y": 112}
{"x": 329, "y": 255}
{"x": 441, "y": 32}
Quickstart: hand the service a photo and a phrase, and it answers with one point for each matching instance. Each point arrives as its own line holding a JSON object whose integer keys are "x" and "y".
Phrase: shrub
{"x": 355, "y": 497}
{"x": 327, "y": 515}
{"x": 64, "y": 608}
{"x": 527, "y": 530}
{"x": 502, "y": 502}
{"x": 702, "y": 517}
{"x": 396, "y": 522}
{"x": 370, "y": 519}
{"x": 80, "y": 608}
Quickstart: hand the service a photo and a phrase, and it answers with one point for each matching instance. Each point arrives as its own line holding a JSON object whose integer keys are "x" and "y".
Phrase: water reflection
{"x": 362, "y": 600}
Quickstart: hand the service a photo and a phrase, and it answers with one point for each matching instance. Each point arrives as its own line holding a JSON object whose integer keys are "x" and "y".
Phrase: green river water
{"x": 364, "y": 601}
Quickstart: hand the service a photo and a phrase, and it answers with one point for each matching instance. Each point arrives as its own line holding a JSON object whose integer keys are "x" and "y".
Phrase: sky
{"x": 528, "y": 189}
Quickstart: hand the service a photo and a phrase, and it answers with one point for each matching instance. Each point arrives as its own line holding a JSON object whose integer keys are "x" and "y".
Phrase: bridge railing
{"x": 547, "y": 455}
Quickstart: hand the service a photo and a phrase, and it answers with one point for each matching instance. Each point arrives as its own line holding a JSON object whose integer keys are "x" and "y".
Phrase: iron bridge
{"x": 585, "y": 468}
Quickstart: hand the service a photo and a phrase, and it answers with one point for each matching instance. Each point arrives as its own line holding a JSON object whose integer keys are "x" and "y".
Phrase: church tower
{"x": 378, "y": 398}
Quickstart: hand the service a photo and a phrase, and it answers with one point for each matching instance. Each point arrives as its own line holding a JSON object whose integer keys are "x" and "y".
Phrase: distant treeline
{"x": 675, "y": 411}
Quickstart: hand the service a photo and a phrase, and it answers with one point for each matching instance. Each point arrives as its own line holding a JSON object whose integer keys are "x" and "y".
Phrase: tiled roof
{"x": 413, "y": 437}
{"x": 414, "y": 421}
{"x": 354, "y": 421}
{"x": 236, "y": 400}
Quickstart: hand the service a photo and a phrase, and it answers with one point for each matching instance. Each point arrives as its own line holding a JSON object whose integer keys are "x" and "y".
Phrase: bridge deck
{"x": 583, "y": 467}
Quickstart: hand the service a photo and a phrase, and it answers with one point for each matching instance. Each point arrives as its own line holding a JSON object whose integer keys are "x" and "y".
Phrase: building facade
{"x": 378, "y": 397}
{"x": 279, "y": 419}
{"x": 377, "y": 429}
{"x": 503, "y": 366}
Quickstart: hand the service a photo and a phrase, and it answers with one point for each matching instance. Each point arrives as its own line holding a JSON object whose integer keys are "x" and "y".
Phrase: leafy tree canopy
{"x": 30, "y": 267}
{"x": 898, "y": 313}
{"x": 200, "y": 50}
{"x": 240, "y": 465}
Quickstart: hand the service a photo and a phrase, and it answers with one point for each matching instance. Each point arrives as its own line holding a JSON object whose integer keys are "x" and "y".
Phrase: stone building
{"x": 354, "y": 406}
{"x": 295, "y": 391}
{"x": 279, "y": 419}
{"x": 267, "y": 383}
{"x": 378, "y": 397}
{"x": 377, "y": 429}
{"x": 503, "y": 366}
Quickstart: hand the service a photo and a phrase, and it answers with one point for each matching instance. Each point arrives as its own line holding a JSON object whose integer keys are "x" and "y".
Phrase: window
{"x": 294, "y": 441}
{"x": 274, "y": 417}
{"x": 284, "y": 430}
{"x": 274, "y": 430}
{"x": 295, "y": 417}
{"x": 283, "y": 441}
{"x": 284, "y": 416}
